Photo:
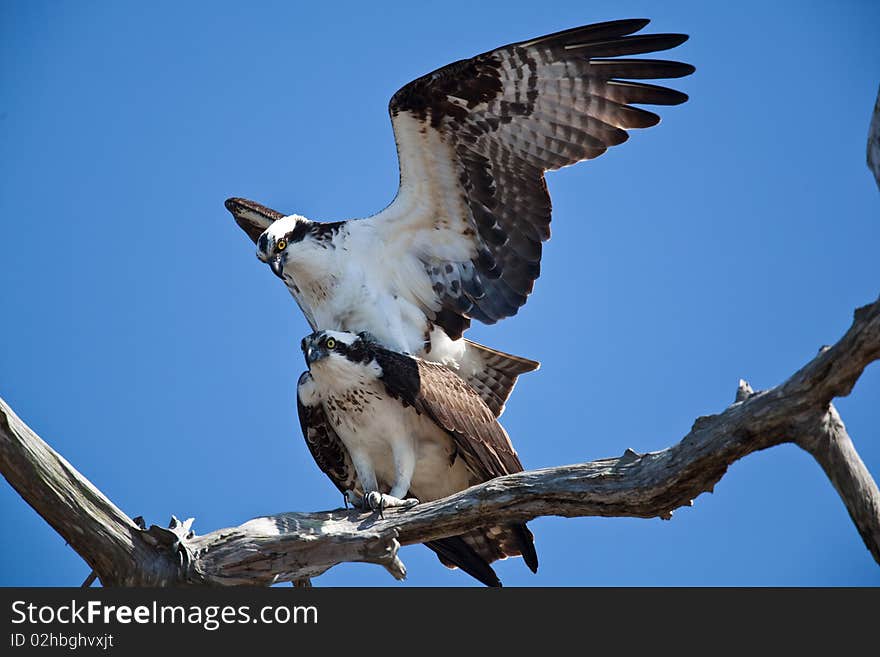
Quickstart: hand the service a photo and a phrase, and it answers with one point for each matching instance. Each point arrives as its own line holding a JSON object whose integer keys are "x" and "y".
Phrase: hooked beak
{"x": 277, "y": 266}
{"x": 314, "y": 353}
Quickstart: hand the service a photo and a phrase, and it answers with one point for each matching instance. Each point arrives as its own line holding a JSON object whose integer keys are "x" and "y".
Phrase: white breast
{"x": 359, "y": 286}
{"x": 367, "y": 419}
{"x": 370, "y": 423}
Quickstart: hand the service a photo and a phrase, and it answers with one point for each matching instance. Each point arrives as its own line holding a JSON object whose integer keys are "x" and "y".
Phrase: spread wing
{"x": 474, "y": 139}
{"x": 438, "y": 392}
{"x": 251, "y": 217}
{"x": 324, "y": 444}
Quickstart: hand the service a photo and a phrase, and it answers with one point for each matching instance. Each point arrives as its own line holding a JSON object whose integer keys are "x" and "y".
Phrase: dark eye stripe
{"x": 298, "y": 233}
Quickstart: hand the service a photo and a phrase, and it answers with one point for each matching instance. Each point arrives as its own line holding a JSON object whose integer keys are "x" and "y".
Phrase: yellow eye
{"x": 331, "y": 343}
{"x": 280, "y": 245}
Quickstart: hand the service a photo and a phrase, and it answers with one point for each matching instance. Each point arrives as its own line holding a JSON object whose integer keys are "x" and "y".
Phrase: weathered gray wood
{"x": 874, "y": 141}
{"x": 93, "y": 526}
{"x": 830, "y": 444}
{"x": 297, "y": 546}
{"x": 123, "y": 554}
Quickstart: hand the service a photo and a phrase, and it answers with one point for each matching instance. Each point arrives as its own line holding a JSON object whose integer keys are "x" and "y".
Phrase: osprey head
{"x": 274, "y": 244}
{"x": 337, "y": 345}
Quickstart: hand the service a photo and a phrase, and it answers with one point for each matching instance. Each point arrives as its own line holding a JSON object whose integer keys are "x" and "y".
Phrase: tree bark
{"x": 110, "y": 542}
{"x": 297, "y": 546}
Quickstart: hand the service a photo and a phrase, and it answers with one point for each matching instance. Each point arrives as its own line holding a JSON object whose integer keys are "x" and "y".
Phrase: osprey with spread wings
{"x": 462, "y": 239}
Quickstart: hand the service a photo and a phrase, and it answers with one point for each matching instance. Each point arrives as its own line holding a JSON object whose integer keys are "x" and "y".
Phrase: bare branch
{"x": 120, "y": 551}
{"x": 93, "y": 526}
{"x": 298, "y": 546}
{"x": 829, "y": 443}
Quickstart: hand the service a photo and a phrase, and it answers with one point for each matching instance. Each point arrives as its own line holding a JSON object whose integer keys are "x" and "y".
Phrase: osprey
{"x": 390, "y": 430}
{"x": 462, "y": 239}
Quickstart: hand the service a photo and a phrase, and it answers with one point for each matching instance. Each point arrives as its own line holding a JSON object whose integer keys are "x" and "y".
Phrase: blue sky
{"x": 144, "y": 341}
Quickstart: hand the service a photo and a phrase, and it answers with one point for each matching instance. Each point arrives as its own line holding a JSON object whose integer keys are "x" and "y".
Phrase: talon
{"x": 374, "y": 500}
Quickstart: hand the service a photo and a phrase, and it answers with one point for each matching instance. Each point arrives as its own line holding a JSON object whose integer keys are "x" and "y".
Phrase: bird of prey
{"x": 462, "y": 239}
{"x": 390, "y": 429}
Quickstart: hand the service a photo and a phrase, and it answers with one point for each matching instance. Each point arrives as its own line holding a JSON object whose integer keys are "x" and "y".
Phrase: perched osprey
{"x": 462, "y": 239}
{"x": 390, "y": 430}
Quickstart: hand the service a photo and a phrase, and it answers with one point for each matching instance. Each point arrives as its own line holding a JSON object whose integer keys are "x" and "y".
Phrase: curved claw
{"x": 376, "y": 501}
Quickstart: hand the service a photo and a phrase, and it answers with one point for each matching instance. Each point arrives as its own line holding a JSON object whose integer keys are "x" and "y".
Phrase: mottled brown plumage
{"x": 496, "y": 375}
{"x": 502, "y": 119}
{"x": 252, "y": 217}
{"x": 435, "y": 392}
{"x": 325, "y": 447}
{"x": 456, "y": 407}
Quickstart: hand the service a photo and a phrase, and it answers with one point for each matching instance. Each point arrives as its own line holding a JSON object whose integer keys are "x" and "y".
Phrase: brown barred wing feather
{"x": 325, "y": 445}
{"x": 475, "y": 137}
{"x": 456, "y": 407}
{"x": 482, "y": 442}
{"x": 252, "y": 217}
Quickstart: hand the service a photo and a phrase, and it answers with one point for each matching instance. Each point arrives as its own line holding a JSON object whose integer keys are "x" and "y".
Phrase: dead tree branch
{"x": 295, "y": 546}
{"x": 121, "y": 552}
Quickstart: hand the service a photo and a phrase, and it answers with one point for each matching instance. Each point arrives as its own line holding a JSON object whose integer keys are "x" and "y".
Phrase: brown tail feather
{"x": 525, "y": 543}
{"x": 455, "y": 552}
{"x": 474, "y": 551}
{"x": 493, "y": 373}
